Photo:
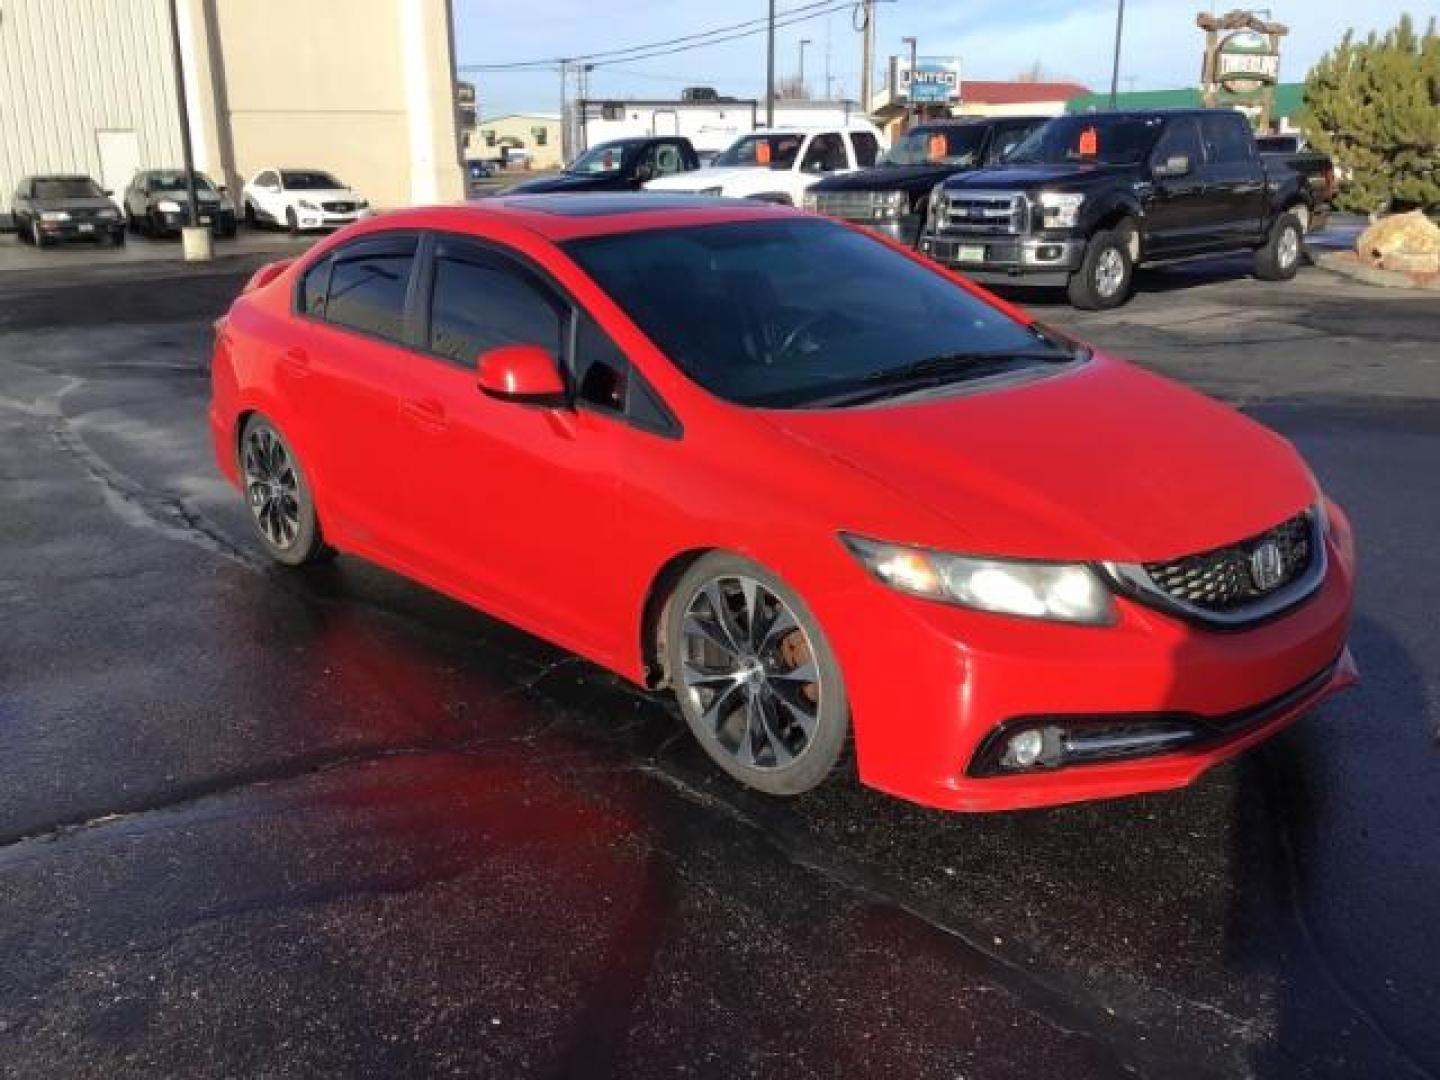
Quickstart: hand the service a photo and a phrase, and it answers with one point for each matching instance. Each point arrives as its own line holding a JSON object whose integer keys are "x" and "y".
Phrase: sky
{"x": 994, "y": 39}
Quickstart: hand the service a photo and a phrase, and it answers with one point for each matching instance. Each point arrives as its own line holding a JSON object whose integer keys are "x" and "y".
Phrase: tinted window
{"x": 67, "y": 187}
{"x": 668, "y": 159}
{"x": 367, "y": 290}
{"x": 480, "y": 302}
{"x": 1227, "y": 138}
{"x": 775, "y": 151}
{"x": 1007, "y": 137}
{"x": 1181, "y": 138}
{"x": 600, "y": 368}
{"x": 313, "y": 288}
{"x": 308, "y": 180}
{"x": 826, "y": 153}
{"x": 867, "y": 148}
{"x": 790, "y": 313}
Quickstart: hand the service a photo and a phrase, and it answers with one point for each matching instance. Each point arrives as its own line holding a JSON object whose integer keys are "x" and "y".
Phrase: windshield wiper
{"x": 937, "y": 371}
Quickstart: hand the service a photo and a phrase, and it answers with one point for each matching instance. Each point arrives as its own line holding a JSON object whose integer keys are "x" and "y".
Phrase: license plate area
{"x": 970, "y": 253}
{"x": 86, "y": 226}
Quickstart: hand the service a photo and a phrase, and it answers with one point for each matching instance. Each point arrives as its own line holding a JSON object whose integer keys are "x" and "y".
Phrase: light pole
{"x": 803, "y": 43}
{"x": 1115, "y": 67}
{"x": 910, "y": 95}
{"x": 770, "y": 69}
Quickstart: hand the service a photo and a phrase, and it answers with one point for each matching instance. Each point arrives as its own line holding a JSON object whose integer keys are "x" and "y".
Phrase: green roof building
{"x": 1288, "y": 99}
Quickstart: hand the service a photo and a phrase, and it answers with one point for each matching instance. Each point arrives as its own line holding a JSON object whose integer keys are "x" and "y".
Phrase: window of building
{"x": 540, "y": 134}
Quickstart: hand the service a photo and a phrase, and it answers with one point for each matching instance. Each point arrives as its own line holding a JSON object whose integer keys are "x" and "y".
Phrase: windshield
{"x": 771, "y": 151}
{"x": 67, "y": 187}
{"x": 1101, "y": 140}
{"x": 175, "y": 181}
{"x": 309, "y": 181}
{"x": 938, "y": 146}
{"x": 801, "y": 313}
{"x": 602, "y": 159}
{"x": 1278, "y": 144}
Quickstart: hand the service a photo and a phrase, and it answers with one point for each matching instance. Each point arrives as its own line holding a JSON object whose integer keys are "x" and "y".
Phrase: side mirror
{"x": 525, "y": 374}
{"x": 1177, "y": 165}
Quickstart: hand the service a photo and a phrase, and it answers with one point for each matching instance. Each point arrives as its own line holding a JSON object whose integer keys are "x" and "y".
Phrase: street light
{"x": 910, "y": 96}
{"x": 803, "y": 43}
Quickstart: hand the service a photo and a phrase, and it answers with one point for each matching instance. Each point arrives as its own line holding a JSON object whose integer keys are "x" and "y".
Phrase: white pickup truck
{"x": 778, "y": 164}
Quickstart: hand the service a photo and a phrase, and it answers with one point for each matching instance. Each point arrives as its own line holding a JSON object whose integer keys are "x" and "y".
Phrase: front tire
{"x": 291, "y": 221}
{"x": 278, "y": 494}
{"x": 1279, "y": 259}
{"x": 1106, "y": 273}
{"x": 754, "y": 676}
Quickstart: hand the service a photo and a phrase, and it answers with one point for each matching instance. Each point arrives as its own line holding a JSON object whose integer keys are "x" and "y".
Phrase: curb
{"x": 1344, "y": 264}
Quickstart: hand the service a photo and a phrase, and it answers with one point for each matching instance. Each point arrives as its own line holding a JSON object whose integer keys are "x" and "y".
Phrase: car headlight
{"x": 1060, "y": 210}
{"x": 306, "y": 204}
{"x": 54, "y": 215}
{"x": 108, "y": 214}
{"x": 168, "y": 206}
{"x": 888, "y": 204}
{"x": 1063, "y": 592}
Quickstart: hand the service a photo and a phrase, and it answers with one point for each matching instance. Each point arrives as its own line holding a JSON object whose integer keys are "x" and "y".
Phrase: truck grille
{"x": 997, "y": 212}
{"x": 850, "y": 205}
{"x": 1238, "y": 583}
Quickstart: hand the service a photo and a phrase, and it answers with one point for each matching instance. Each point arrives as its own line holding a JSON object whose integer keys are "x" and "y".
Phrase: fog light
{"x": 1050, "y": 252}
{"x": 1024, "y": 750}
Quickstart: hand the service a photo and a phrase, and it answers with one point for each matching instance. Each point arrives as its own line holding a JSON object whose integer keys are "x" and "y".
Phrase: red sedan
{"x": 813, "y": 484}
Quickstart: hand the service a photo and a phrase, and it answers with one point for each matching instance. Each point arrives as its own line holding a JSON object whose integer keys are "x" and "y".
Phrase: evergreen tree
{"x": 1374, "y": 107}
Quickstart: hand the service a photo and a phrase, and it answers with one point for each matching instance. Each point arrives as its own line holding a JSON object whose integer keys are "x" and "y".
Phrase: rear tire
{"x": 1279, "y": 259}
{"x": 1106, "y": 273}
{"x": 755, "y": 679}
{"x": 278, "y": 494}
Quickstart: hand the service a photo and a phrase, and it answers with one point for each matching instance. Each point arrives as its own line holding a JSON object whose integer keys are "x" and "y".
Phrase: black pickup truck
{"x": 891, "y": 197}
{"x": 618, "y": 165}
{"x": 1087, "y": 198}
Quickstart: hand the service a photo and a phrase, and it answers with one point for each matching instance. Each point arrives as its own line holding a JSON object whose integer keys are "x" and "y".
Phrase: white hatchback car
{"x": 778, "y": 164}
{"x": 301, "y": 199}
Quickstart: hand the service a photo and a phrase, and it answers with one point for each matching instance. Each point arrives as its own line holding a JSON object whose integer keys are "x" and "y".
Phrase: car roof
{"x": 59, "y": 176}
{"x": 972, "y": 121}
{"x": 571, "y": 216}
{"x": 1152, "y": 114}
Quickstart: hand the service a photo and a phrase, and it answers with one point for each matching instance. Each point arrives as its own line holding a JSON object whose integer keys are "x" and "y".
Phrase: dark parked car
{"x": 155, "y": 204}
{"x": 47, "y": 209}
{"x": 1085, "y": 199}
{"x": 892, "y": 196}
{"x": 619, "y": 165}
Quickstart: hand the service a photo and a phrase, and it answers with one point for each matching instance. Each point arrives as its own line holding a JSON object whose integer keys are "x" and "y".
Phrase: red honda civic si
{"x": 818, "y": 487}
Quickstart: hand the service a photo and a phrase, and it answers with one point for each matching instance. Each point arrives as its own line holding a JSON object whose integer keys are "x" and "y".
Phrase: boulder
{"x": 1395, "y": 238}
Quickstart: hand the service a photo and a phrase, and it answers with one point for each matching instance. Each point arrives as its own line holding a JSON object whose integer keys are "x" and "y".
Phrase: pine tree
{"x": 1374, "y": 107}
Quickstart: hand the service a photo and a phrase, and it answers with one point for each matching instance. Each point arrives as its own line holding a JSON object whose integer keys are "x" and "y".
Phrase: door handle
{"x": 295, "y": 362}
{"x": 426, "y": 412}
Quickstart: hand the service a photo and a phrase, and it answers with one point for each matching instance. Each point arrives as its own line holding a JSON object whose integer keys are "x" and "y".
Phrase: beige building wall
{"x": 523, "y": 128}
{"x": 100, "y": 102}
{"x": 368, "y": 95}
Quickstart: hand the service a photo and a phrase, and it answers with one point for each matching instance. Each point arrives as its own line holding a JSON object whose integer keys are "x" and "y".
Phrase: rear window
{"x": 867, "y": 148}
{"x": 367, "y": 290}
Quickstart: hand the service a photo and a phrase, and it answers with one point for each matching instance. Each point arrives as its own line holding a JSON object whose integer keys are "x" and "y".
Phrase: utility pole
{"x": 770, "y": 69}
{"x": 828, "y": 94}
{"x": 1115, "y": 67}
{"x": 582, "y": 135}
{"x": 565, "y": 135}
{"x": 910, "y": 93}
{"x": 803, "y": 43}
{"x": 183, "y": 107}
{"x": 867, "y": 50}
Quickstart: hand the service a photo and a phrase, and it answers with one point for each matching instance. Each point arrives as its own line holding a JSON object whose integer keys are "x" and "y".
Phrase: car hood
{"x": 1034, "y": 176}
{"x": 1103, "y": 461}
{"x": 562, "y": 182}
{"x": 888, "y": 178}
{"x": 82, "y": 202}
{"x": 700, "y": 179}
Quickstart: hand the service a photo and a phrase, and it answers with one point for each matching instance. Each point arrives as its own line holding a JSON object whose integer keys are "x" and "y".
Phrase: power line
{"x": 678, "y": 44}
{"x": 779, "y": 23}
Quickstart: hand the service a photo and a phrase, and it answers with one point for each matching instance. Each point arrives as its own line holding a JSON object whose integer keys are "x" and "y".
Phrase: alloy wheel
{"x": 1287, "y": 251}
{"x": 272, "y": 486}
{"x": 749, "y": 671}
{"x": 1109, "y": 272}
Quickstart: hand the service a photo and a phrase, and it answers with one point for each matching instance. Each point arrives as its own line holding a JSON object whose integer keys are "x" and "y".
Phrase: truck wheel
{"x": 1279, "y": 259}
{"x": 1103, "y": 280}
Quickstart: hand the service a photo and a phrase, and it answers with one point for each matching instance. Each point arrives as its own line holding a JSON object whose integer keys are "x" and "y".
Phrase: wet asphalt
{"x": 266, "y": 823}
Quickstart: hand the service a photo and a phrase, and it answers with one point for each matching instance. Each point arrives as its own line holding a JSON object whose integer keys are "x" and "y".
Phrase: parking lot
{"x": 295, "y": 824}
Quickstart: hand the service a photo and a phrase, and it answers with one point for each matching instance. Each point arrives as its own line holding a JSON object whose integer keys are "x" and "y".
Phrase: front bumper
{"x": 904, "y": 229}
{"x": 1002, "y": 259}
{"x": 218, "y": 221}
{"x": 330, "y": 219}
{"x": 96, "y": 229}
{"x": 967, "y": 675}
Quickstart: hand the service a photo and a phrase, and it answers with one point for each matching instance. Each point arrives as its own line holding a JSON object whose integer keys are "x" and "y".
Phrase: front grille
{"x": 1230, "y": 577}
{"x": 996, "y": 212}
{"x": 339, "y": 207}
{"x": 1239, "y": 583}
{"x": 850, "y": 205}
